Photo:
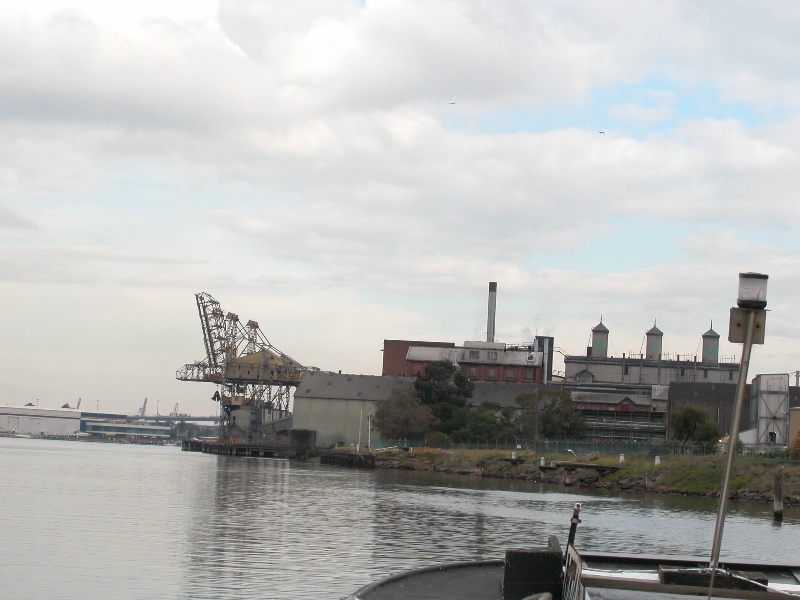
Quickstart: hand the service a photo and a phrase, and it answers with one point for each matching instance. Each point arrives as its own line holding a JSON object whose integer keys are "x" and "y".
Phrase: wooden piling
{"x": 777, "y": 514}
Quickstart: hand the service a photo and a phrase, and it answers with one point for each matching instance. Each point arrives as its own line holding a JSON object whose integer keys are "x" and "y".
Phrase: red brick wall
{"x": 395, "y": 352}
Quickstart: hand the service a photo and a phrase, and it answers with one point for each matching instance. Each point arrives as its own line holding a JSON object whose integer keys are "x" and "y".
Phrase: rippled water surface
{"x": 89, "y": 520}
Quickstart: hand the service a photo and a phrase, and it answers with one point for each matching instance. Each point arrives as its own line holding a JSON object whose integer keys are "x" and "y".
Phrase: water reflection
{"x": 161, "y": 523}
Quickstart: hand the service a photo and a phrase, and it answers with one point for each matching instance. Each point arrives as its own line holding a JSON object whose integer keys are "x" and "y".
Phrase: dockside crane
{"x": 254, "y": 377}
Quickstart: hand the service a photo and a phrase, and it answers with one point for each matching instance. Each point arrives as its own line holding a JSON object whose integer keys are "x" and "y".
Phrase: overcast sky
{"x": 347, "y": 172}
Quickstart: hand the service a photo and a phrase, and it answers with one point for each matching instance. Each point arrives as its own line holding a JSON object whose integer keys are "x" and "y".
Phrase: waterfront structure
{"x": 652, "y": 367}
{"x": 630, "y": 397}
{"x": 767, "y": 422}
{"x": 68, "y": 422}
{"x": 32, "y": 420}
{"x": 131, "y": 432}
{"x": 339, "y": 408}
{"x": 255, "y": 379}
{"x": 766, "y": 404}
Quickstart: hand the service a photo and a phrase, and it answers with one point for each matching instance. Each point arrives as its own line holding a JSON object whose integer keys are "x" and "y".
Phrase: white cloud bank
{"x": 345, "y": 172}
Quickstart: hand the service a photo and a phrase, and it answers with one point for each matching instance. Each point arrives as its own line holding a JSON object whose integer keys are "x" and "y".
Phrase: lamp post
{"x": 746, "y": 327}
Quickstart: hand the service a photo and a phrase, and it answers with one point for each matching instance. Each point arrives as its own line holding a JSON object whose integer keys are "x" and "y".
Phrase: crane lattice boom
{"x": 239, "y": 357}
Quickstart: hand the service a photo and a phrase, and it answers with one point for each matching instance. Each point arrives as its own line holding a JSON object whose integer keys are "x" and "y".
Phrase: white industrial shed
{"x": 39, "y": 421}
{"x": 338, "y": 406}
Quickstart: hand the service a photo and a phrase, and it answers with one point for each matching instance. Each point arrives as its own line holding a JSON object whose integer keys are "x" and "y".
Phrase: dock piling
{"x": 777, "y": 514}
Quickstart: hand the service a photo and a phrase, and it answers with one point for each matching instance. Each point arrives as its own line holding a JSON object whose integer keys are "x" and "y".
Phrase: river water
{"x": 97, "y": 521}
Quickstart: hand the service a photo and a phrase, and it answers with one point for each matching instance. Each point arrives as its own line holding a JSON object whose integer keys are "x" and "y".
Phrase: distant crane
{"x": 174, "y": 412}
{"x": 143, "y": 410}
{"x": 253, "y": 375}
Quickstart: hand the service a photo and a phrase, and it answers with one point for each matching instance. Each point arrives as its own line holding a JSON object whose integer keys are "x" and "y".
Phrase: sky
{"x": 345, "y": 172}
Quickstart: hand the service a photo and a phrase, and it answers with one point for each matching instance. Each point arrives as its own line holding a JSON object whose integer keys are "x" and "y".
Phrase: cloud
{"x": 9, "y": 219}
{"x": 302, "y": 161}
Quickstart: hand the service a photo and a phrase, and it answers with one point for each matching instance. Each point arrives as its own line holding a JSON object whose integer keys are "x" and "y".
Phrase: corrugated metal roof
{"x": 485, "y": 345}
{"x": 337, "y": 386}
{"x": 35, "y": 411}
{"x": 610, "y": 398}
{"x": 321, "y": 384}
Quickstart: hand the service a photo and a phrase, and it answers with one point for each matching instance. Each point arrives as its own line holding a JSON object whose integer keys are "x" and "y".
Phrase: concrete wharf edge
{"x": 238, "y": 449}
{"x": 364, "y": 460}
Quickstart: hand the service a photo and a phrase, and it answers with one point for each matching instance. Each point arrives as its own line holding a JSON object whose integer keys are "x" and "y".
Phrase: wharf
{"x": 236, "y": 448}
{"x": 364, "y": 460}
{"x": 571, "y": 466}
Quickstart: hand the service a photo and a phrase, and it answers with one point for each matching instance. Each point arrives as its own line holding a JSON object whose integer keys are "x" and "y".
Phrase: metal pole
{"x": 733, "y": 437}
{"x": 360, "y": 415}
{"x": 573, "y": 524}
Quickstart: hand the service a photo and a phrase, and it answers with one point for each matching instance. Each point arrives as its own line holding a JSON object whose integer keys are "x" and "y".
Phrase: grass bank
{"x": 752, "y": 478}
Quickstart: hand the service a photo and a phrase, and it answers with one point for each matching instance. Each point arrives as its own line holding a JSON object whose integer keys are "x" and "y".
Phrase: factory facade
{"x": 339, "y": 408}
{"x": 624, "y": 398}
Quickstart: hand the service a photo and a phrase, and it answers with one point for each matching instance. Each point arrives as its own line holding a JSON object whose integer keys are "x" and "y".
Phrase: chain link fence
{"x": 588, "y": 447}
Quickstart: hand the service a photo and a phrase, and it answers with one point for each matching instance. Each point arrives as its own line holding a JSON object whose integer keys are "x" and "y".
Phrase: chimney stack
{"x": 492, "y": 311}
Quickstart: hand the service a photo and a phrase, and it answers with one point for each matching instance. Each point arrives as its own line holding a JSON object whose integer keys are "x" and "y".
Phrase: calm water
{"x": 86, "y": 520}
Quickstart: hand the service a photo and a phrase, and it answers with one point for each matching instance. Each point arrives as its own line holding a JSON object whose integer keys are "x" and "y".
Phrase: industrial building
{"x": 624, "y": 398}
{"x": 478, "y": 360}
{"x": 339, "y": 407}
{"x": 652, "y": 367}
{"x": 68, "y": 422}
{"x": 32, "y": 420}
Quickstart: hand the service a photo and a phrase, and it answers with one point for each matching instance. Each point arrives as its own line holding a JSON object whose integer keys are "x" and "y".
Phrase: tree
{"x": 560, "y": 419}
{"x": 403, "y": 416}
{"x": 482, "y": 424}
{"x": 548, "y": 412}
{"x": 794, "y": 448}
{"x": 691, "y": 422}
{"x": 445, "y": 389}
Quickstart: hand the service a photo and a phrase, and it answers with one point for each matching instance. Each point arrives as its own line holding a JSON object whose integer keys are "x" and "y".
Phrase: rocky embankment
{"x": 752, "y": 479}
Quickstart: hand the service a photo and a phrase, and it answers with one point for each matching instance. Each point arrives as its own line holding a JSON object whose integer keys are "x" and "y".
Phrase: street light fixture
{"x": 746, "y": 327}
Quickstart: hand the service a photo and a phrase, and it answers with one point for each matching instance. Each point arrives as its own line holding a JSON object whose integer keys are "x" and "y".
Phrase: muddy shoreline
{"x": 752, "y": 479}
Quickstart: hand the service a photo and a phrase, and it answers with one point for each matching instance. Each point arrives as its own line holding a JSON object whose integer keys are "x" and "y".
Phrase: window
{"x": 492, "y": 354}
{"x": 491, "y": 374}
{"x": 730, "y": 375}
{"x": 473, "y": 372}
{"x": 509, "y": 373}
{"x": 528, "y": 374}
{"x": 626, "y": 369}
{"x": 474, "y": 354}
{"x": 705, "y": 373}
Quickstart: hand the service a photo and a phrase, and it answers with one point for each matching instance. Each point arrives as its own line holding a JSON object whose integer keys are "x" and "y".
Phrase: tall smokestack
{"x": 492, "y": 311}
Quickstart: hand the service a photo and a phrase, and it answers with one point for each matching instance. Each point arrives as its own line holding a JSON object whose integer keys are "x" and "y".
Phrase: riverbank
{"x": 752, "y": 478}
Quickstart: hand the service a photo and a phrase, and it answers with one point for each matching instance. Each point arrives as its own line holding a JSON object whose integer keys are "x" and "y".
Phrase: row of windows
{"x": 476, "y": 354}
{"x": 683, "y": 373}
{"x": 493, "y": 373}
